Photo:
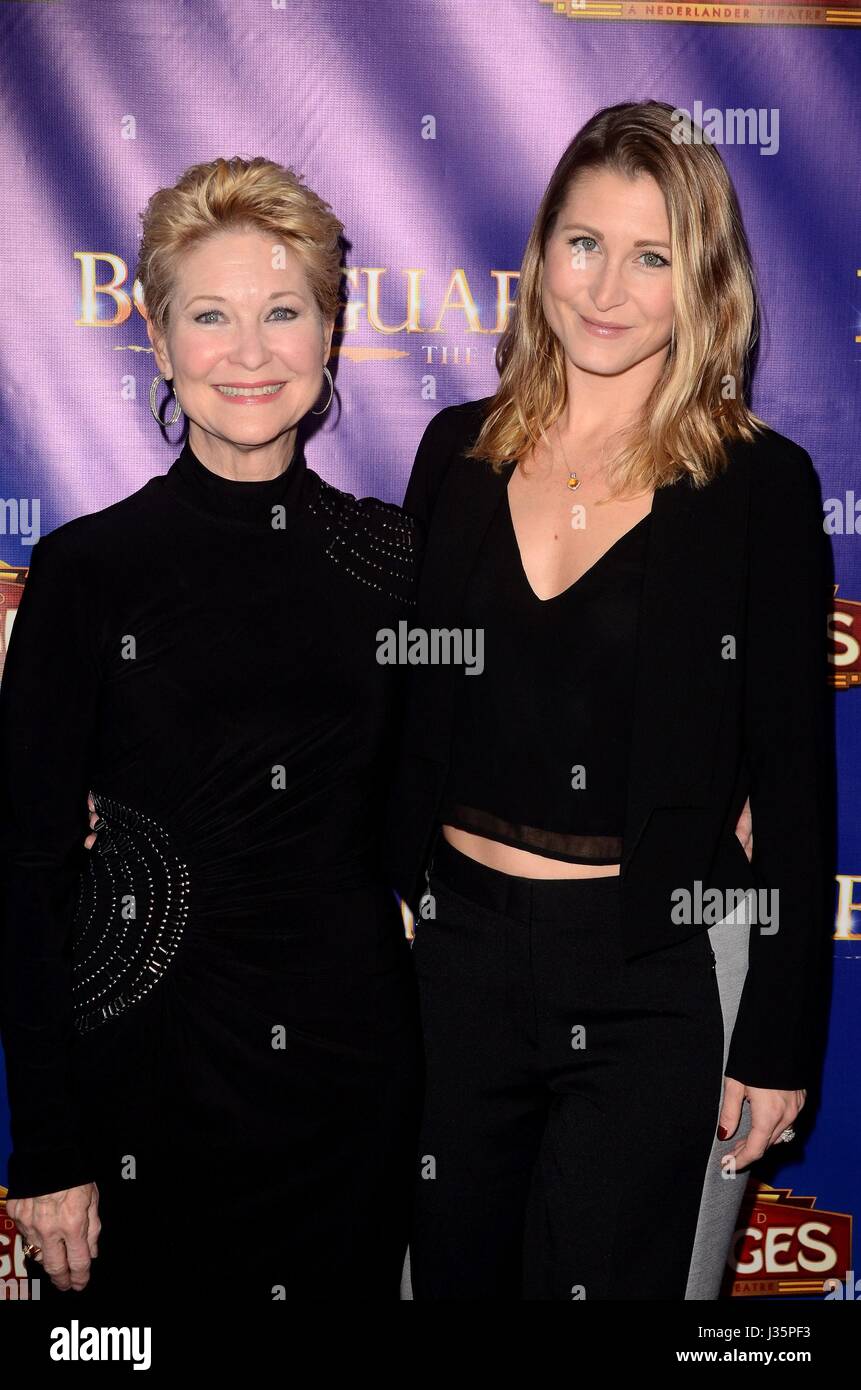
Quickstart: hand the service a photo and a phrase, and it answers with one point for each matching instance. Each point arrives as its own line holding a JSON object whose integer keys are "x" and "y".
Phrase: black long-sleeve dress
{"x": 212, "y": 1014}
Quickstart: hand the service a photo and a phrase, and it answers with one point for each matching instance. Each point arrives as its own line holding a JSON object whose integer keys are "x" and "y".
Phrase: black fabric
{"x": 572, "y": 1095}
{"x": 554, "y": 696}
{"x": 732, "y": 699}
{"x": 203, "y": 656}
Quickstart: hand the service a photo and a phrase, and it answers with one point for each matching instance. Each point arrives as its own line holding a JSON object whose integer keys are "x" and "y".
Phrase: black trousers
{"x": 570, "y": 1096}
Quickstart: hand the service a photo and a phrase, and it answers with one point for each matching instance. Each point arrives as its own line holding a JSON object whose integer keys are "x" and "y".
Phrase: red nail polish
{"x": 722, "y": 1133}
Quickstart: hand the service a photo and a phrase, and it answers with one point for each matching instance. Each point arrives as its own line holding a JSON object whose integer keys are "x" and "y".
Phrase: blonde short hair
{"x": 238, "y": 195}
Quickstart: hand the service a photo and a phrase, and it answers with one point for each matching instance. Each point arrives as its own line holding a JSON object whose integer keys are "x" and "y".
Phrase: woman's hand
{"x": 744, "y": 830}
{"x": 771, "y": 1112}
{"x": 66, "y": 1225}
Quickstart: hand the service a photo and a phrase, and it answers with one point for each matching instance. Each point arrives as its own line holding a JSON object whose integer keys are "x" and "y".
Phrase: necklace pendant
{"x": 573, "y": 482}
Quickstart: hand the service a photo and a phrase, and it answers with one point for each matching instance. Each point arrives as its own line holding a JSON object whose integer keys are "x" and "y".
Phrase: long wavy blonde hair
{"x": 697, "y": 404}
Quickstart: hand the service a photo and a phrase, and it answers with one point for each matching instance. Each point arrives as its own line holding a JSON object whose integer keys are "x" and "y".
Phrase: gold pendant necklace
{"x": 573, "y": 481}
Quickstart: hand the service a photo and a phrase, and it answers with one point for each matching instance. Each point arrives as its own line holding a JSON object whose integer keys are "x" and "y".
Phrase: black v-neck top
{"x": 539, "y": 756}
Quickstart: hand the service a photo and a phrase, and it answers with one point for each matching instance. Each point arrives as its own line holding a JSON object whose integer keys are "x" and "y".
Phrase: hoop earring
{"x": 153, "y": 393}
{"x": 328, "y": 375}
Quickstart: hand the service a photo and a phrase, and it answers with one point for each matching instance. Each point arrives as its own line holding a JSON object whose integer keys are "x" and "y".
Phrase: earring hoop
{"x": 328, "y": 375}
{"x": 153, "y": 404}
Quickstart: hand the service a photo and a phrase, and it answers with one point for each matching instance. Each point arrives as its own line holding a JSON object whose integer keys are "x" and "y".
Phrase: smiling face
{"x": 245, "y": 343}
{"x": 607, "y": 262}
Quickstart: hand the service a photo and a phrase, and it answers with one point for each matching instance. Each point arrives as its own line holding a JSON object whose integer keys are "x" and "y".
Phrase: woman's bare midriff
{"x": 520, "y": 862}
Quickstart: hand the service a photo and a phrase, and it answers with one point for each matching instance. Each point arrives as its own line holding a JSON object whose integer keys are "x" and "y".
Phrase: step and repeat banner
{"x": 432, "y": 127}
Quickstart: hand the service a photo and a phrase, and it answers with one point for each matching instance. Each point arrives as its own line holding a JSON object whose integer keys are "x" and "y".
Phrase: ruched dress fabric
{"x": 212, "y": 1014}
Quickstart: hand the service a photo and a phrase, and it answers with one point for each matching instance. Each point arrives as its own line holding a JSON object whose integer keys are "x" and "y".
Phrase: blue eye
{"x": 574, "y": 241}
{"x": 208, "y": 314}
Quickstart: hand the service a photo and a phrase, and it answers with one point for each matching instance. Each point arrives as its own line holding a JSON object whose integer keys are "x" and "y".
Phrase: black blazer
{"x": 745, "y": 556}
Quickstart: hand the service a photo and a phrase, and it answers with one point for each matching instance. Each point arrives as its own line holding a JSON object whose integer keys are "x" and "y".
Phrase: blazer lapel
{"x": 465, "y": 507}
{"x": 691, "y": 603}
{"x": 464, "y": 511}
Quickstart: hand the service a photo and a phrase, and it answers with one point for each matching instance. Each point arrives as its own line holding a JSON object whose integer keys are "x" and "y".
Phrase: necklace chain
{"x": 572, "y": 482}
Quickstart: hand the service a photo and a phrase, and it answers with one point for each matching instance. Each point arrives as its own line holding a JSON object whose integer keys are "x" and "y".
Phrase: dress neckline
{"x": 242, "y": 502}
{"x": 597, "y": 565}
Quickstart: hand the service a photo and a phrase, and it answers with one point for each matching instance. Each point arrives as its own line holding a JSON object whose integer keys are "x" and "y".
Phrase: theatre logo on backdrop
{"x": 805, "y": 13}
{"x": 785, "y": 1245}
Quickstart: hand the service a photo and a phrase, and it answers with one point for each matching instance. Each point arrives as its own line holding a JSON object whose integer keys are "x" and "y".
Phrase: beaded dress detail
{"x": 132, "y": 908}
{"x": 373, "y": 541}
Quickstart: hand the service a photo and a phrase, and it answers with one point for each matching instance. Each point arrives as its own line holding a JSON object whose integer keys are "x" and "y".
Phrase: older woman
{"x": 211, "y": 1038}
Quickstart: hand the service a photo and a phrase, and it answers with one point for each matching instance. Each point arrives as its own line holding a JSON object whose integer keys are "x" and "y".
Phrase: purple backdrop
{"x": 432, "y": 129}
